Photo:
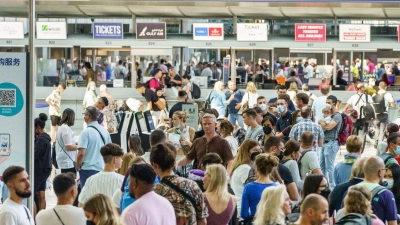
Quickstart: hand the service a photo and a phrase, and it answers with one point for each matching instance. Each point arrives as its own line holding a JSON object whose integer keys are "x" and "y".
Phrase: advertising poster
{"x": 226, "y": 71}
{"x": 13, "y": 109}
{"x": 108, "y": 31}
{"x": 354, "y": 33}
{"x": 398, "y": 33}
{"x": 208, "y": 31}
{"x": 151, "y": 31}
{"x": 12, "y": 30}
{"x": 193, "y": 111}
{"x": 310, "y": 32}
{"x": 252, "y": 32}
{"x": 51, "y": 30}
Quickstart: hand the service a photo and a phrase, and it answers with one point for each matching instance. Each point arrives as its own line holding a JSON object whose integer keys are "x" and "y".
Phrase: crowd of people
{"x": 252, "y": 160}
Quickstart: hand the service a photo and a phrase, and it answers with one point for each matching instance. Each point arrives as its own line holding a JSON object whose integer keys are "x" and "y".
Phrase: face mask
{"x": 397, "y": 150}
{"x": 389, "y": 183}
{"x": 253, "y": 155}
{"x": 263, "y": 107}
{"x": 281, "y": 108}
{"x": 326, "y": 193}
{"x": 299, "y": 119}
{"x": 267, "y": 130}
{"x": 88, "y": 222}
{"x": 281, "y": 155}
{"x": 81, "y": 64}
{"x": 178, "y": 126}
{"x": 328, "y": 106}
{"x": 372, "y": 84}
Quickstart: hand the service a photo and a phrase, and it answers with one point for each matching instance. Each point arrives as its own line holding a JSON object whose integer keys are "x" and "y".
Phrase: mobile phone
{"x": 4, "y": 144}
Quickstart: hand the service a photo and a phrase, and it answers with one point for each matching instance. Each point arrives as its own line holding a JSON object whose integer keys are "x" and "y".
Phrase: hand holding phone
{"x": 5, "y": 144}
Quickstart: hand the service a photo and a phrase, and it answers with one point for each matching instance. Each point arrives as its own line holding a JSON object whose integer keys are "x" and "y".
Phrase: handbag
{"x": 73, "y": 162}
{"x": 160, "y": 104}
{"x": 53, "y": 156}
{"x": 245, "y": 105}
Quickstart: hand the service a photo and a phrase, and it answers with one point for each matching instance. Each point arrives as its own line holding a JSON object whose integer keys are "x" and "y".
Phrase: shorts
{"x": 55, "y": 120}
{"x": 40, "y": 183}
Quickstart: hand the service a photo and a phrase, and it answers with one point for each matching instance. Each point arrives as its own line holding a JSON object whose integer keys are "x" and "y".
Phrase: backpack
{"x": 239, "y": 135}
{"x": 379, "y": 103}
{"x": 368, "y": 110}
{"x": 303, "y": 153}
{"x": 196, "y": 91}
{"x": 354, "y": 219}
{"x": 346, "y": 129}
{"x": 386, "y": 157}
{"x": 310, "y": 100}
{"x": 206, "y": 103}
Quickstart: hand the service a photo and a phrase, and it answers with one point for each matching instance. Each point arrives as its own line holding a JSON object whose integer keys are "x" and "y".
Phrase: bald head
{"x": 312, "y": 201}
{"x": 306, "y": 112}
{"x": 372, "y": 167}
{"x": 325, "y": 89}
{"x": 357, "y": 170}
{"x": 307, "y": 138}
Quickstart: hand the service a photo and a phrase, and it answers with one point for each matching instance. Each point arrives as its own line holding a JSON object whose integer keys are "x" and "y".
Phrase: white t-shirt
{"x": 69, "y": 215}
{"x": 117, "y": 197}
{"x": 353, "y": 100}
{"x": 310, "y": 71}
{"x": 189, "y": 84}
{"x": 150, "y": 209}
{"x": 239, "y": 176}
{"x": 12, "y": 213}
{"x": 55, "y": 99}
{"x": 103, "y": 182}
{"x": 64, "y": 137}
{"x": 251, "y": 97}
{"x": 388, "y": 98}
{"x": 318, "y": 105}
{"x": 233, "y": 143}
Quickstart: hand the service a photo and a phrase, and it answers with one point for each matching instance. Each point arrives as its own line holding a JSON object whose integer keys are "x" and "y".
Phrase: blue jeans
{"x": 233, "y": 117}
{"x": 305, "y": 81}
{"x": 327, "y": 160}
{"x": 85, "y": 174}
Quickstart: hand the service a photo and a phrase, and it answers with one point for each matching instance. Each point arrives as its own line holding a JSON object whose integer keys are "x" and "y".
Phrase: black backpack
{"x": 196, "y": 91}
{"x": 354, "y": 219}
{"x": 303, "y": 153}
{"x": 368, "y": 110}
{"x": 379, "y": 103}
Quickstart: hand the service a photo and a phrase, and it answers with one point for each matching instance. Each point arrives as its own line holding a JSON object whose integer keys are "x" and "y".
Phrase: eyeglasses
{"x": 384, "y": 169}
{"x": 280, "y": 103}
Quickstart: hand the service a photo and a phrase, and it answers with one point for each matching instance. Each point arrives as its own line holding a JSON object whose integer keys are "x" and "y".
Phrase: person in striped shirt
{"x": 107, "y": 181}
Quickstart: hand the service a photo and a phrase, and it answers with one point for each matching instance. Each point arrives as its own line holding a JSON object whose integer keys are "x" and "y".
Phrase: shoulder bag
{"x": 245, "y": 105}
{"x": 104, "y": 142}
{"x": 73, "y": 161}
{"x": 180, "y": 191}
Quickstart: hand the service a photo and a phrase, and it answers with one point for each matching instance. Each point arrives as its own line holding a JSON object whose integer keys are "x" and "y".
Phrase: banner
{"x": 226, "y": 69}
{"x": 151, "y": 31}
{"x": 252, "y": 32}
{"x": 354, "y": 33}
{"x": 108, "y": 31}
{"x": 398, "y": 33}
{"x": 13, "y": 111}
{"x": 12, "y": 30}
{"x": 208, "y": 31}
{"x": 311, "y": 32}
{"x": 51, "y": 30}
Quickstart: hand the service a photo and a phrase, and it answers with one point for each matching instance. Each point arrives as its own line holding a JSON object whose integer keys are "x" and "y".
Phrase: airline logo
{"x": 215, "y": 31}
{"x": 201, "y": 31}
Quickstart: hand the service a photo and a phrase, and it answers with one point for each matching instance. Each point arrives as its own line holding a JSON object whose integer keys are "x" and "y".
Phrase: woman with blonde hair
{"x": 274, "y": 206}
{"x": 181, "y": 135}
{"x": 241, "y": 167}
{"x": 220, "y": 204}
{"x": 358, "y": 201}
{"x": 218, "y": 99}
{"x": 264, "y": 165}
{"x": 250, "y": 97}
{"x": 90, "y": 95}
{"x": 292, "y": 91}
{"x": 99, "y": 210}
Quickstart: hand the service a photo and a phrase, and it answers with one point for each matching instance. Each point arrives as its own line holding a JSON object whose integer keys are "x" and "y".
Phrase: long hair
{"x": 243, "y": 154}
{"x": 311, "y": 185}
{"x": 269, "y": 209}
{"x": 135, "y": 144}
{"x": 294, "y": 116}
{"x": 126, "y": 159}
{"x": 251, "y": 87}
{"x": 293, "y": 87}
{"x": 218, "y": 182}
{"x": 358, "y": 200}
{"x": 217, "y": 86}
{"x": 68, "y": 117}
{"x": 102, "y": 207}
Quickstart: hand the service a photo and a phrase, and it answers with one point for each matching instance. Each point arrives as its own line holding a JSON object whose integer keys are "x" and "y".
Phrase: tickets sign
{"x": 252, "y": 32}
{"x": 310, "y": 32}
{"x": 208, "y": 31}
{"x": 354, "y": 33}
{"x": 108, "y": 31}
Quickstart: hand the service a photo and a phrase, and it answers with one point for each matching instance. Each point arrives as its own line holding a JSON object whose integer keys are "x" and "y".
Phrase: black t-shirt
{"x": 285, "y": 174}
{"x": 284, "y": 121}
{"x": 151, "y": 96}
{"x": 177, "y": 107}
{"x": 139, "y": 73}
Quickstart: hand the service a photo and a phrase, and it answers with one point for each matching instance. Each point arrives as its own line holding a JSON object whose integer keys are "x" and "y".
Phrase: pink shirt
{"x": 150, "y": 209}
{"x": 154, "y": 83}
{"x": 371, "y": 68}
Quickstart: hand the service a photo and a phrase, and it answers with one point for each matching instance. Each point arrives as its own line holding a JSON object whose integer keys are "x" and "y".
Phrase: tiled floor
{"x": 369, "y": 151}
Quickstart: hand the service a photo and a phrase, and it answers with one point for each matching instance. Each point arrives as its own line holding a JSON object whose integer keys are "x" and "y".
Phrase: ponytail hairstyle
{"x": 182, "y": 115}
{"x": 41, "y": 121}
{"x": 265, "y": 163}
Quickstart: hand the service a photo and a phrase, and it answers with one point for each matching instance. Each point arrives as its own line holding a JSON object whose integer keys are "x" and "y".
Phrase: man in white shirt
{"x": 320, "y": 103}
{"x": 356, "y": 102}
{"x": 12, "y": 211}
{"x": 308, "y": 72}
{"x": 388, "y": 100}
{"x": 64, "y": 212}
{"x": 149, "y": 207}
{"x": 120, "y": 72}
{"x": 107, "y": 181}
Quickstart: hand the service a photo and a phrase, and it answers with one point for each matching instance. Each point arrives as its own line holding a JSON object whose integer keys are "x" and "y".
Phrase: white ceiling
{"x": 202, "y": 9}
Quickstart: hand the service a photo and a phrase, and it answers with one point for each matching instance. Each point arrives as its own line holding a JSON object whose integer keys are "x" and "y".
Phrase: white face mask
{"x": 81, "y": 64}
{"x": 263, "y": 107}
{"x": 372, "y": 83}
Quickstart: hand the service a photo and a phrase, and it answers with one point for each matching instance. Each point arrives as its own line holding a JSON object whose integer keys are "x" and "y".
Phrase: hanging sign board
{"x": 310, "y": 32}
{"x": 208, "y": 31}
{"x": 252, "y": 32}
{"x": 151, "y": 31}
{"x": 51, "y": 30}
{"x": 12, "y": 30}
{"x": 354, "y": 33}
{"x": 108, "y": 31}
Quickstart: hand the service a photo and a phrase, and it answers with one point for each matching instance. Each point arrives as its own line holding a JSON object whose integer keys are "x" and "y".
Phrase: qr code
{"x": 7, "y": 97}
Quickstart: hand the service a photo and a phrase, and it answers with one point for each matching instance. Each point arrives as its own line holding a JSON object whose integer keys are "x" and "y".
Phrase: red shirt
{"x": 154, "y": 83}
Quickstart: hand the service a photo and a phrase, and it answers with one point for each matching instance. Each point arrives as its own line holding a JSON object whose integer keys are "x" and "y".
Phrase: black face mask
{"x": 267, "y": 130}
{"x": 326, "y": 193}
{"x": 281, "y": 155}
{"x": 253, "y": 155}
{"x": 88, "y": 222}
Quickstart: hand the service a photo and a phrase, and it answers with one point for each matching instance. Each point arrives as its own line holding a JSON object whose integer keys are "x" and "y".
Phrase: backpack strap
{"x": 180, "y": 191}
{"x": 358, "y": 100}
{"x": 283, "y": 161}
{"x": 377, "y": 190}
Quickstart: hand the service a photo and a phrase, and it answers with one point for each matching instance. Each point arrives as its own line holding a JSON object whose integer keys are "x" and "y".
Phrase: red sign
{"x": 398, "y": 33}
{"x": 214, "y": 31}
{"x": 310, "y": 32}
